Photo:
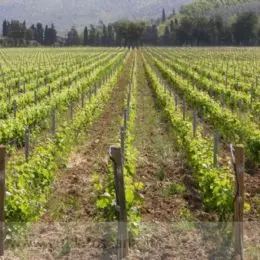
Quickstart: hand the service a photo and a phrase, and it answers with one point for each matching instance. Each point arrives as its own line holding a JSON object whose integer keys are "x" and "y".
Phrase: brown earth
{"x": 174, "y": 224}
{"x": 194, "y": 204}
{"x": 171, "y": 201}
{"x": 71, "y": 227}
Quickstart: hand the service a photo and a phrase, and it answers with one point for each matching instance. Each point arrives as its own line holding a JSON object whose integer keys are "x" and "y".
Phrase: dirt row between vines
{"x": 70, "y": 229}
{"x": 171, "y": 201}
{"x": 252, "y": 174}
{"x": 174, "y": 224}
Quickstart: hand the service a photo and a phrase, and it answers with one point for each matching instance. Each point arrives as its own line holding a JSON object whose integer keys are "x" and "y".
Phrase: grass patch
{"x": 183, "y": 226}
{"x": 66, "y": 250}
{"x": 186, "y": 214}
{"x": 174, "y": 189}
{"x": 160, "y": 174}
{"x": 256, "y": 203}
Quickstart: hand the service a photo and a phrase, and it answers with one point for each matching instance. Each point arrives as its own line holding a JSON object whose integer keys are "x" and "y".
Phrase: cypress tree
{"x": 5, "y": 28}
{"x": 53, "y": 34}
{"x": 104, "y": 36}
{"x": 172, "y": 26}
{"x": 39, "y": 33}
{"x": 92, "y": 35}
{"x": 110, "y": 35}
{"x": 85, "y": 41}
{"x": 167, "y": 36}
{"x": 163, "y": 16}
{"x": 46, "y": 36}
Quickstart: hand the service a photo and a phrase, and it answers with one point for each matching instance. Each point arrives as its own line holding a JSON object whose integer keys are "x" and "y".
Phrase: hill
{"x": 221, "y": 7}
{"x": 227, "y": 9}
{"x": 64, "y": 13}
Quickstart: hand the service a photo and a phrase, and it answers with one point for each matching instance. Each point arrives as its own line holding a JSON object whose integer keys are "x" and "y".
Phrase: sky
{"x": 65, "y": 13}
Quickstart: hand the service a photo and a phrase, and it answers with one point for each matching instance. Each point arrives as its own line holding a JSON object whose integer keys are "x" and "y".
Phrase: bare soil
{"x": 72, "y": 227}
{"x": 162, "y": 239}
{"x": 168, "y": 215}
{"x": 174, "y": 224}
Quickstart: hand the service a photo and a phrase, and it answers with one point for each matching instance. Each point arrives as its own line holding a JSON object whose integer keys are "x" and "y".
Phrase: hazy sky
{"x": 65, "y": 13}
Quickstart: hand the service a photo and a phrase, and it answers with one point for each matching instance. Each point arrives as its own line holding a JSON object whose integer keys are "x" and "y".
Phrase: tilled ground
{"x": 168, "y": 229}
{"x": 174, "y": 224}
{"x": 71, "y": 227}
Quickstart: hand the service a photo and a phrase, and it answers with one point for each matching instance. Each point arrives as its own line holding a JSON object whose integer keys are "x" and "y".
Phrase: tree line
{"x": 121, "y": 33}
{"x": 244, "y": 29}
{"x": 175, "y": 30}
{"x": 19, "y": 34}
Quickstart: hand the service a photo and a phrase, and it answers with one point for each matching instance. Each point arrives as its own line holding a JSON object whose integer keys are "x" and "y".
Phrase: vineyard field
{"x": 178, "y": 117}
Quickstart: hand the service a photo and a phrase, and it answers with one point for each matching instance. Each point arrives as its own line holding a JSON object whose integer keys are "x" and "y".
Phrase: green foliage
{"x": 174, "y": 189}
{"x": 187, "y": 215}
{"x": 14, "y": 128}
{"x": 215, "y": 184}
{"x": 245, "y": 28}
{"x": 129, "y": 32}
{"x": 199, "y": 7}
{"x": 66, "y": 250}
{"x": 160, "y": 174}
{"x": 28, "y": 184}
{"x": 233, "y": 129}
{"x": 213, "y": 23}
{"x": 73, "y": 37}
{"x": 106, "y": 201}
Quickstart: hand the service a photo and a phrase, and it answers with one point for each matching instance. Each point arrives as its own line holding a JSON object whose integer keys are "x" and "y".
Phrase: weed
{"x": 174, "y": 189}
{"x": 66, "y": 249}
{"x": 160, "y": 174}
{"x": 186, "y": 214}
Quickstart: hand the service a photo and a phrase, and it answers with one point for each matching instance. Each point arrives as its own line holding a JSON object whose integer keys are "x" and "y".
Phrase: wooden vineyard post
{"x": 238, "y": 155}
{"x": 216, "y": 148}
{"x": 38, "y": 78}
{"x": 240, "y": 105}
{"x": 27, "y": 144}
{"x": 223, "y": 100}
{"x": 184, "y": 108}
{"x": 19, "y": 87}
{"x": 251, "y": 97}
{"x": 117, "y": 159}
{"x": 71, "y": 111}
{"x": 194, "y": 123}
{"x": 125, "y": 118}
{"x": 2, "y": 197}
{"x": 176, "y": 101}
{"x": 53, "y": 121}
{"x": 82, "y": 99}
{"x": 226, "y": 83}
{"x": 9, "y": 94}
{"x": 129, "y": 96}
{"x": 15, "y": 108}
{"x": 89, "y": 95}
{"x": 49, "y": 90}
{"x": 122, "y": 140}
{"x": 256, "y": 82}
{"x": 35, "y": 97}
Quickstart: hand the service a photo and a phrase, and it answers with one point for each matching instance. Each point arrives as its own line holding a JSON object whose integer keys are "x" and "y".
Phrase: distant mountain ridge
{"x": 220, "y": 7}
{"x": 65, "y": 13}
